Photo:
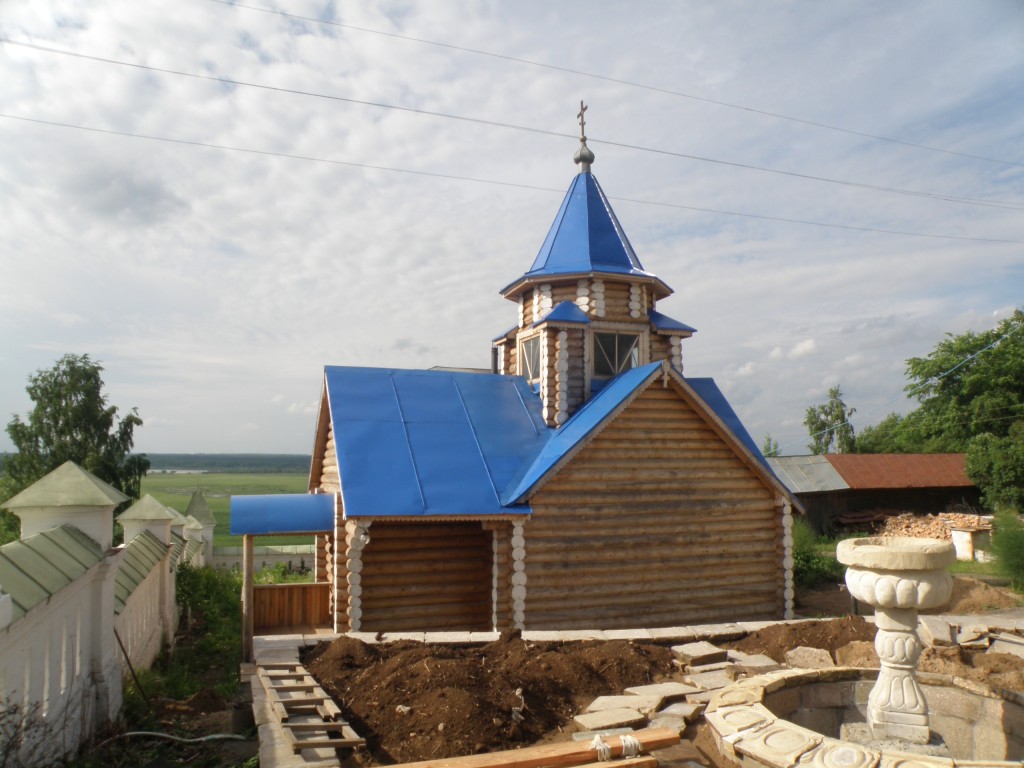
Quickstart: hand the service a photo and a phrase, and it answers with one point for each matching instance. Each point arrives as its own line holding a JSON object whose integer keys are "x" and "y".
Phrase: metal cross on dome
{"x": 583, "y": 120}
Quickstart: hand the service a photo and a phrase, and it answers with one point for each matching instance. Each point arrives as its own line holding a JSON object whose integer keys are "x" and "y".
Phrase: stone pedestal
{"x": 898, "y": 576}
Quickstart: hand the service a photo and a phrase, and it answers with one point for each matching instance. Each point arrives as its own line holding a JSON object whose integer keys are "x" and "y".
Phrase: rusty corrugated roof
{"x": 901, "y": 470}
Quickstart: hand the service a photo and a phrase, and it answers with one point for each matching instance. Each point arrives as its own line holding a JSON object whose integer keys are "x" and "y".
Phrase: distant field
{"x": 176, "y": 491}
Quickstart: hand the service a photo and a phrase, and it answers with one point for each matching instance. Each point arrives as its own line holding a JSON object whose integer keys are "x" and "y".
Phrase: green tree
{"x": 829, "y": 425}
{"x": 996, "y": 465}
{"x": 770, "y": 446}
{"x": 71, "y": 421}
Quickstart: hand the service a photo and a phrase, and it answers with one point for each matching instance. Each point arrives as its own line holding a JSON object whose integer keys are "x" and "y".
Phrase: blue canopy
{"x": 282, "y": 513}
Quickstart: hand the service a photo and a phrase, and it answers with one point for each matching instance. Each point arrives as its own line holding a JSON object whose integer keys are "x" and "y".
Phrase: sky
{"x": 829, "y": 188}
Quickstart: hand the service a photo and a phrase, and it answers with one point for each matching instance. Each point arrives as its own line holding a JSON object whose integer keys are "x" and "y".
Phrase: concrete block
{"x": 697, "y": 669}
{"x": 627, "y": 634}
{"x": 701, "y": 652}
{"x": 702, "y": 697}
{"x": 364, "y": 637}
{"x": 393, "y": 637}
{"x": 643, "y": 704}
{"x": 484, "y": 637}
{"x": 809, "y": 658}
{"x": 609, "y": 718}
{"x": 542, "y": 636}
{"x": 668, "y": 691}
{"x": 448, "y": 637}
{"x": 935, "y": 631}
{"x": 575, "y": 635}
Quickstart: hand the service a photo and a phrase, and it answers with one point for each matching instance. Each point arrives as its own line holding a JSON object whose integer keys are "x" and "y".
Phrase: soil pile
{"x": 416, "y": 702}
{"x": 775, "y": 640}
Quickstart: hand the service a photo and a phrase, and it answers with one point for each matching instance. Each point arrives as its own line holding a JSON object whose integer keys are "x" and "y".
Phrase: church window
{"x": 529, "y": 365}
{"x": 615, "y": 353}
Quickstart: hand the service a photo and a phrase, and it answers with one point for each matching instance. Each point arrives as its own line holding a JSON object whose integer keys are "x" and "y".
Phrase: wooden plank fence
{"x": 291, "y": 605}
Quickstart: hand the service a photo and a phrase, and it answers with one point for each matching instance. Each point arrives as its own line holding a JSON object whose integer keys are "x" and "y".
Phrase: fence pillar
{"x": 247, "y": 597}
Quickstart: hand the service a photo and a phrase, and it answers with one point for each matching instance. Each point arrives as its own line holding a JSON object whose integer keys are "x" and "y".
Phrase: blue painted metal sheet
{"x": 709, "y": 392}
{"x": 565, "y": 312}
{"x": 666, "y": 323}
{"x": 586, "y": 237}
{"x": 439, "y": 443}
{"x": 581, "y": 424}
{"x": 282, "y": 513}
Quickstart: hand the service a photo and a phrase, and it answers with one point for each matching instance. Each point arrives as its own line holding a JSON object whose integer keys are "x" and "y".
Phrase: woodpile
{"x": 930, "y": 526}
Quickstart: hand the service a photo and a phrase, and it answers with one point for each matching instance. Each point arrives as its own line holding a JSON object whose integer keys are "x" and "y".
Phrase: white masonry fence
{"x": 76, "y": 611}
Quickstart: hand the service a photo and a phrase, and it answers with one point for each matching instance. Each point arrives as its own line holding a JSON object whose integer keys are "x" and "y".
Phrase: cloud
{"x": 216, "y": 284}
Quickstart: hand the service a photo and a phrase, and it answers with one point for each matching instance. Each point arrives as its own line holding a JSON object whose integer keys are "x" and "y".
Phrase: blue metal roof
{"x": 709, "y": 392}
{"x": 665, "y": 323}
{"x": 585, "y": 238}
{"x": 282, "y": 513}
{"x": 435, "y": 443}
{"x": 565, "y": 312}
{"x": 562, "y": 441}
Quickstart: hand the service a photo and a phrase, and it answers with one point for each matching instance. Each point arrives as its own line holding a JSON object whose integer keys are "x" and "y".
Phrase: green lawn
{"x": 176, "y": 490}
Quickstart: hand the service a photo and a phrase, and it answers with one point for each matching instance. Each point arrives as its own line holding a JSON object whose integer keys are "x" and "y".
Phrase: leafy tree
{"x": 769, "y": 447}
{"x": 829, "y": 425}
{"x": 71, "y": 421}
{"x": 996, "y": 465}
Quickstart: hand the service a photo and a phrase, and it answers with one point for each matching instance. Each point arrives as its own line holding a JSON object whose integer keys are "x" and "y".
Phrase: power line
{"x": 1005, "y": 204}
{"x": 453, "y": 177}
{"x": 630, "y": 83}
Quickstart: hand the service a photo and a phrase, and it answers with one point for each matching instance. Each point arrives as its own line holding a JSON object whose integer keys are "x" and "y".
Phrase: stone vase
{"x": 897, "y": 576}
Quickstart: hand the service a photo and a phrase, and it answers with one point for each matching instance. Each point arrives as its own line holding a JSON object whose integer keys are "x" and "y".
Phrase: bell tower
{"x": 586, "y": 305}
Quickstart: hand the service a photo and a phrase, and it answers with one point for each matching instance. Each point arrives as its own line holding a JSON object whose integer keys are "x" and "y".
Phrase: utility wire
{"x": 630, "y": 83}
{"x": 931, "y": 380}
{"x": 453, "y": 177}
{"x": 1006, "y": 204}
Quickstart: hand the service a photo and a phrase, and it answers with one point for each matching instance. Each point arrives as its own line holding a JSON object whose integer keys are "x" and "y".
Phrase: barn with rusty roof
{"x": 584, "y": 482}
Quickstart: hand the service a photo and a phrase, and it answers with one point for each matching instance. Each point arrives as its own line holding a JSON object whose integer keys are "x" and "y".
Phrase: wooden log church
{"x": 585, "y": 483}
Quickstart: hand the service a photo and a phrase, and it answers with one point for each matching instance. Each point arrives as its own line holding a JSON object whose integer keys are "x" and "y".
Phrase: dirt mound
{"x": 971, "y": 595}
{"x": 996, "y": 670}
{"x": 415, "y": 702}
{"x": 775, "y": 640}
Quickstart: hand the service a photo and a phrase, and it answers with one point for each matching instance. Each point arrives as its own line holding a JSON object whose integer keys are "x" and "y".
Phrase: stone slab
{"x": 711, "y": 680}
{"x": 674, "y": 722}
{"x": 627, "y": 634}
{"x": 698, "y": 669}
{"x": 727, "y": 631}
{"x": 804, "y": 657}
{"x": 701, "y": 697}
{"x": 935, "y": 631}
{"x": 1011, "y": 644}
{"x": 753, "y": 662}
{"x": 643, "y": 704}
{"x": 700, "y": 652}
{"x": 669, "y": 692}
{"x": 672, "y": 633}
{"x": 574, "y": 635}
{"x": 689, "y": 711}
{"x": 609, "y": 718}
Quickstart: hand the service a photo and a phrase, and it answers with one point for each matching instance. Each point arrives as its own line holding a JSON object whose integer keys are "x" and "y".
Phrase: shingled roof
{"x": 902, "y": 470}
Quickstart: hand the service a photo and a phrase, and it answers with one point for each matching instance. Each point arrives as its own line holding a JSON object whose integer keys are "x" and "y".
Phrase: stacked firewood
{"x": 929, "y": 526}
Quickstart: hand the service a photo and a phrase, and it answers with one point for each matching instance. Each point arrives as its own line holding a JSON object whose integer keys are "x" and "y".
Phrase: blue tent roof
{"x": 665, "y": 323}
{"x": 282, "y": 513}
{"x": 585, "y": 238}
{"x": 565, "y": 312}
{"x": 434, "y": 443}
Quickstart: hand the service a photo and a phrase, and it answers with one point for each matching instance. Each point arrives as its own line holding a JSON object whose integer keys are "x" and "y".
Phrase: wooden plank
{"x": 553, "y": 755}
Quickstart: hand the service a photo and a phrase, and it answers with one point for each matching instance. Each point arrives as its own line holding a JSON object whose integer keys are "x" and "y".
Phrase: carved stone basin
{"x": 897, "y": 576}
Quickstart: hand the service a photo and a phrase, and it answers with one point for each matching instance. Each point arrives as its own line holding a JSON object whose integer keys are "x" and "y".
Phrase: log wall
{"x": 426, "y": 577}
{"x": 329, "y": 478}
{"x": 655, "y": 523}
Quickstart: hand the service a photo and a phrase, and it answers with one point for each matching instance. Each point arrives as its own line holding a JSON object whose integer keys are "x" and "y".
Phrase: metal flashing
{"x": 282, "y": 513}
{"x": 665, "y": 324}
{"x": 564, "y": 312}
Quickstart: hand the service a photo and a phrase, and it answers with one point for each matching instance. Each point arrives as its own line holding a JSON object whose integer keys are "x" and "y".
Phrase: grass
{"x": 176, "y": 490}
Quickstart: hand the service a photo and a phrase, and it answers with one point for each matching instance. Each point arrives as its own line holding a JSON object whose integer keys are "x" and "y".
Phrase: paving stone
{"x": 1007, "y": 644}
{"x": 697, "y": 669}
{"x": 689, "y": 711}
{"x": 484, "y": 637}
{"x": 609, "y": 718}
{"x": 581, "y": 634}
{"x": 364, "y": 637}
{"x": 804, "y": 657}
{"x": 727, "y": 631}
{"x": 674, "y": 722}
{"x": 935, "y": 631}
{"x": 668, "y": 691}
{"x": 392, "y": 637}
{"x": 643, "y": 704}
{"x": 673, "y": 633}
{"x": 700, "y": 652}
{"x": 627, "y": 634}
{"x": 751, "y": 660}
{"x": 702, "y": 697}
{"x": 711, "y": 680}
{"x": 972, "y": 633}
{"x": 448, "y": 637}
{"x": 589, "y": 735}
{"x": 542, "y": 636}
